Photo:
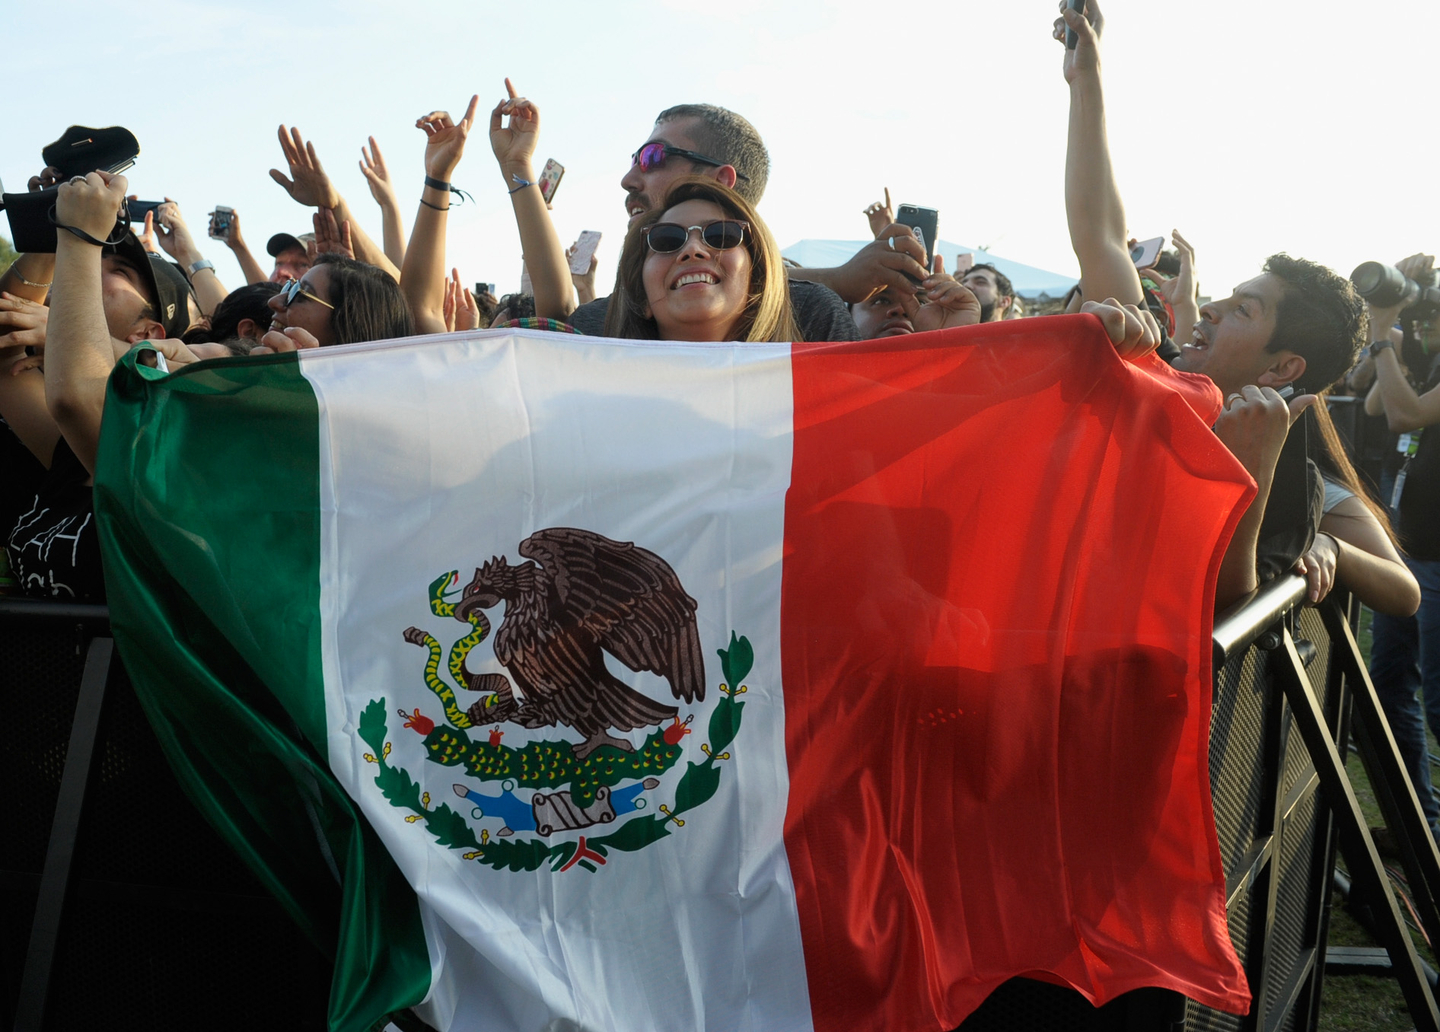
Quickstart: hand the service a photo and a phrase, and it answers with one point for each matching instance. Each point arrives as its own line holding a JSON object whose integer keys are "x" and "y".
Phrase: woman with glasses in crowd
{"x": 338, "y": 301}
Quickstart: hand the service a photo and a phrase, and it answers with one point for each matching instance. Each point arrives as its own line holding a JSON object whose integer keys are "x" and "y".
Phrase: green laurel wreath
{"x": 451, "y": 830}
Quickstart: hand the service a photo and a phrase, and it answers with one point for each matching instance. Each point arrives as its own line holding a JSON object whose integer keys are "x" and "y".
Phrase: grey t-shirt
{"x": 819, "y": 313}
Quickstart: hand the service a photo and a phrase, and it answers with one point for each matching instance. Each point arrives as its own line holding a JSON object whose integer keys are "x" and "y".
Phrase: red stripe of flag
{"x": 999, "y": 569}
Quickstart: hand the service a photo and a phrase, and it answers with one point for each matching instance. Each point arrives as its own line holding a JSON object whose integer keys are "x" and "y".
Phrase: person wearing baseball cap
{"x": 291, "y": 254}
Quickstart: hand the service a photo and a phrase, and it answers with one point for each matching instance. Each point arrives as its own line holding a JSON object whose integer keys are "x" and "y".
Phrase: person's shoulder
{"x": 820, "y": 313}
{"x": 589, "y": 318}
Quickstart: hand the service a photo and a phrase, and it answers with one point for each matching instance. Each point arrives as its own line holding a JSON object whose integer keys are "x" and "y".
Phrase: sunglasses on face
{"x": 653, "y": 155}
{"x": 720, "y": 235}
{"x": 291, "y": 290}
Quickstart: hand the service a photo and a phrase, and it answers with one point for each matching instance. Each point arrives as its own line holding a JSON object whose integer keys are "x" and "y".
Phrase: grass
{"x": 1364, "y": 1003}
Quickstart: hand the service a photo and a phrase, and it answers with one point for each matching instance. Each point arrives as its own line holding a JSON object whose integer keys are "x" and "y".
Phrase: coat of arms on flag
{"x": 579, "y": 596}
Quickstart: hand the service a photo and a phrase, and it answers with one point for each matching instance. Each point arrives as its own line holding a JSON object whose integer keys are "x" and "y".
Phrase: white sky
{"x": 1251, "y": 126}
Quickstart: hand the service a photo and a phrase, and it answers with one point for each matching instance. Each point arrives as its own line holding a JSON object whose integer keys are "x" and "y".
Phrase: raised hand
{"x": 1088, "y": 27}
{"x": 880, "y": 215}
{"x": 331, "y": 237}
{"x": 514, "y": 143}
{"x": 307, "y": 183}
{"x": 948, "y": 302}
{"x": 174, "y": 234}
{"x": 91, "y": 203}
{"x": 372, "y": 167}
{"x": 445, "y": 140}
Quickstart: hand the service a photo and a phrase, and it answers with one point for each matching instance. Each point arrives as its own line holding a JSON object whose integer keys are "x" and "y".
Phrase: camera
{"x": 1385, "y": 286}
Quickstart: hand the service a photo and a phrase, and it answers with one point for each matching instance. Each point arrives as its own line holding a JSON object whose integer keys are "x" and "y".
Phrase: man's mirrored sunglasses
{"x": 291, "y": 290}
{"x": 653, "y": 155}
{"x": 720, "y": 235}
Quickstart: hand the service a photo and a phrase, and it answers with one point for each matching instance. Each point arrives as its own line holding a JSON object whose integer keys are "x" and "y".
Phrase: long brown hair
{"x": 1335, "y": 462}
{"x": 767, "y": 314}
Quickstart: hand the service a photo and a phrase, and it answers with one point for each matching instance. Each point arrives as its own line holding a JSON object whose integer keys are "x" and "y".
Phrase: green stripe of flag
{"x": 208, "y": 487}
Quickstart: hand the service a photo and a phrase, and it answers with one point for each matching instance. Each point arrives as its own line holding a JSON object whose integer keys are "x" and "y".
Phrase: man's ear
{"x": 145, "y": 329}
{"x": 1003, "y": 305}
{"x": 1287, "y": 368}
{"x": 248, "y": 328}
{"x": 727, "y": 175}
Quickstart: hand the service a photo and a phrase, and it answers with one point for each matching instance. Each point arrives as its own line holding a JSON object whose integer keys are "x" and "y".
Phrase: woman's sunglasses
{"x": 291, "y": 290}
{"x": 653, "y": 155}
{"x": 720, "y": 235}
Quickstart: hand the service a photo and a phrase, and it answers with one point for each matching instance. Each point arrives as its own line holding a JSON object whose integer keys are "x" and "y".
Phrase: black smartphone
{"x": 484, "y": 288}
{"x": 924, "y": 222}
{"x": 1071, "y": 37}
{"x": 137, "y": 209}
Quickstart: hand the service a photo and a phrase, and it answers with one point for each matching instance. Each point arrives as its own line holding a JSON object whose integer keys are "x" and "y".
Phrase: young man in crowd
{"x": 1296, "y": 324}
{"x": 994, "y": 290}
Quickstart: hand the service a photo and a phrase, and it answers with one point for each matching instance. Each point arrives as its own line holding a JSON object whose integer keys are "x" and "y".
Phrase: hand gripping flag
{"x": 659, "y": 686}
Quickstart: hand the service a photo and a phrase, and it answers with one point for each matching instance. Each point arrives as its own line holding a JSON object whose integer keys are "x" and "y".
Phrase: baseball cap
{"x": 285, "y": 242}
{"x": 167, "y": 283}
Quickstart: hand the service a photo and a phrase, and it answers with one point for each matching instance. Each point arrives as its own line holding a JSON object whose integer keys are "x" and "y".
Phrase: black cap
{"x": 167, "y": 283}
{"x": 283, "y": 242}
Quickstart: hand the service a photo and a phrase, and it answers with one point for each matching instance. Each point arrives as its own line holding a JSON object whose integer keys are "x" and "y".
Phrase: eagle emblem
{"x": 583, "y": 595}
{"x": 577, "y": 598}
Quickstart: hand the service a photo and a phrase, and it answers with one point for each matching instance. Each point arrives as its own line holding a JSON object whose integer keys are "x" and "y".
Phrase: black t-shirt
{"x": 819, "y": 313}
{"x": 53, "y": 548}
{"x": 1420, "y": 498}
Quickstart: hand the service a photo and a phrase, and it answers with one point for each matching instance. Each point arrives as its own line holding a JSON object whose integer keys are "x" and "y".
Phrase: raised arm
{"x": 176, "y": 241}
{"x": 423, "y": 278}
{"x": 1093, "y": 208}
{"x": 79, "y": 354}
{"x": 1405, "y": 410}
{"x": 514, "y": 147}
{"x": 372, "y": 167}
{"x": 234, "y": 240}
{"x": 309, "y": 184}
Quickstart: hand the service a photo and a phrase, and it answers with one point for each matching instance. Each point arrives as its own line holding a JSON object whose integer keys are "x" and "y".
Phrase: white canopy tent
{"x": 1030, "y": 283}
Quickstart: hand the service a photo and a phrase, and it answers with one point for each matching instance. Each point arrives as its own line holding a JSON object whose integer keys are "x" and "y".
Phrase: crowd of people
{"x": 699, "y": 264}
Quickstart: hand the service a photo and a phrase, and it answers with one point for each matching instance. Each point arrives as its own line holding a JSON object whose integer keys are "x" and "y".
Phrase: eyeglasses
{"x": 653, "y": 155}
{"x": 720, "y": 235}
{"x": 291, "y": 290}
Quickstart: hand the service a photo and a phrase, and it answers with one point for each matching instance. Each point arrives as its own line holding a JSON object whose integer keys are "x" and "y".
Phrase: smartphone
{"x": 1072, "y": 38}
{"x": 550, "y": 179}
{"x": 923, "y": 222}
{"x": 1145, "y": 253}
{"x": 584, "y": 251}
{"x": 137, "y": 209}
{"x": 963, "y": 263}
{"x": 220, "y": 222}
{"x": 485, "y": 288}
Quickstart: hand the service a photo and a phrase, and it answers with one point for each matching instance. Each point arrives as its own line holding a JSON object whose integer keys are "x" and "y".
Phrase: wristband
{"x": 436, "y": 184}
{"x": 200, "y": 266}
{"x": 1379, "y": 346}
{"x": 523, "y": 183}
{"x": 435, "y": 206}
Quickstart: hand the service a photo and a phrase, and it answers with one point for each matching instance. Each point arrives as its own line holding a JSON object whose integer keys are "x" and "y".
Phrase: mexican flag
{"x": 556, "y": 682}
